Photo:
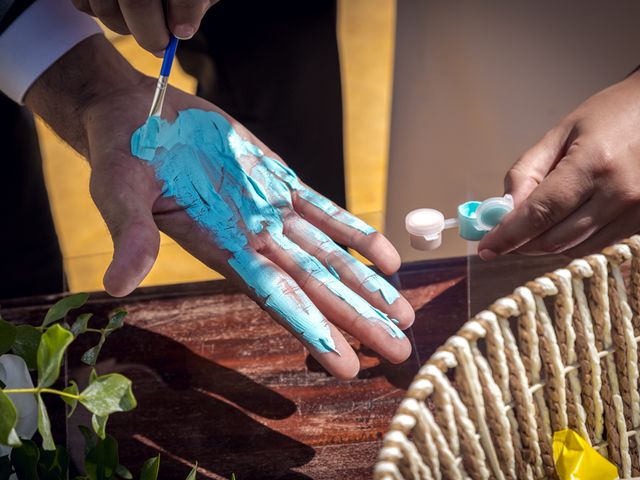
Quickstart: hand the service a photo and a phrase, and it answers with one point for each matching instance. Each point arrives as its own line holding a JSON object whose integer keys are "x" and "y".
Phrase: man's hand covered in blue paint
{"x": 202, "y": 178}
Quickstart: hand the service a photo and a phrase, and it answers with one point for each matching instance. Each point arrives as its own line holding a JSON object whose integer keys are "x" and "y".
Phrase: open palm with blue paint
{"x": 207, "y": 182}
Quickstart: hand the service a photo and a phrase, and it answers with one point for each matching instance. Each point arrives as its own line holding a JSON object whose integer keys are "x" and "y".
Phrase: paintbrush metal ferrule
{"x": 158, "y": 96}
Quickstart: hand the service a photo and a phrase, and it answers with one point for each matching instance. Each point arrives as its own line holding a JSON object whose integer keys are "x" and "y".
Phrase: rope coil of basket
{"x": 559, "y": 352}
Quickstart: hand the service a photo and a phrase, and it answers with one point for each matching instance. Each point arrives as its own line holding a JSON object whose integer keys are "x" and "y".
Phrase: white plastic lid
{"x": 426, "y": 222}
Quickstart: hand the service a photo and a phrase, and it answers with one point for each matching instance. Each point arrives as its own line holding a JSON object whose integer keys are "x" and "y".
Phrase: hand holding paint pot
{"x": 475, "y": 219}
{"x": 576, "y": 190}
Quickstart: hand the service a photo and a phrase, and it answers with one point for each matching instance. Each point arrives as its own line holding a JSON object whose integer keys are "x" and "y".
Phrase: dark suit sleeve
{"x": 10, "y": 10}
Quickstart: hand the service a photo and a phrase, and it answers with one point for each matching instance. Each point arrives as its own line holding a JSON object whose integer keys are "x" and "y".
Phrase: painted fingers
{"x": 342, "y": 305}
{"x": 272, "y": 288}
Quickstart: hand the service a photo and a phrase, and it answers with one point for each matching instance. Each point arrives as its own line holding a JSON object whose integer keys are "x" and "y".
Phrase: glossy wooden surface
{"x": 218, "y": 382}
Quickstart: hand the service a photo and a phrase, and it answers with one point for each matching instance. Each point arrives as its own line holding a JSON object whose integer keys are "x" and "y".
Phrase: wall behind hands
{"x": 365, "y": 35}
{"x": 478, "y": 83}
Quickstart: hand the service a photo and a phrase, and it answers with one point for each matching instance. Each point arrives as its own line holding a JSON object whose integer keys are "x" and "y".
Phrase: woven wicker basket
{"x": 560, "y": 352}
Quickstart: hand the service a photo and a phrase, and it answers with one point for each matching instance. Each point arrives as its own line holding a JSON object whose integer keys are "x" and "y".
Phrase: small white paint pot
{"x": 425, "y": 226}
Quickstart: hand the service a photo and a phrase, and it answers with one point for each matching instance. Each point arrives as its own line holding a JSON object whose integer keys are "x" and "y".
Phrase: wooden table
{"x": 217, "y": 381}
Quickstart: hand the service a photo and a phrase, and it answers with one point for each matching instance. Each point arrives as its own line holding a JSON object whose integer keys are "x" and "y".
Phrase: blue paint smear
{"x": 333, "y": 271}
{"x": 197, "y": 160}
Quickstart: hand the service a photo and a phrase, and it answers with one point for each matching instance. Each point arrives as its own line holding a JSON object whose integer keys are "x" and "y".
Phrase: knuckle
{"x": 290, "y": 220}
{"x": 83, "y": 6}
{"x": 512, "y": 176}
{"x": 191, "y": 10}
{"x": 604, "y": 160}
{"x": 540, "y": 215}
{"x": 137, "y": 5}
{"x": 150, "y": 44}
{"x": 105, "y": 9}
{"x": 628, "y": 197}
{"x": 550, "y": 245}
{"x": 187, "y": 4}
{"x": 505, "y": 240}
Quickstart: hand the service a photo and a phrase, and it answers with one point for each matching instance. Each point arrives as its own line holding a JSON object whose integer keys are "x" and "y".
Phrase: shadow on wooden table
{"x": 218, "y": 381}
{"x": 192, "y": 409}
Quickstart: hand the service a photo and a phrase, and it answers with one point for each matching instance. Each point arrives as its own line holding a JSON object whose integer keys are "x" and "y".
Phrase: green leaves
{"x": 108, "y": 394}
{"x": 99, "y": 425}
{"x": 5, "y": 467}
{"x": 26, "y": 344}
{"x": 90, "y": 357}
{"x": 72, "y": 389}
{"x": 8, "y": 420}
{"x": 44, "y": 425}
{"x": 193, "y": 472}
{"x": 60, "y": 309}
{"x": 43, "y": 349}
{"x": 81, "y": 324}
{"x": 32, "y": 463}
{"x": 53, "y": 464}
{"x": 7, "y": 335}
{"x": 123, "y": 472}
{"x": 25, "y": 460}
{"x": 53, "y": 344}
{"x": 115, "y": 322}
{"x": 150, "y": 469}
{"x": 102, "y": 459}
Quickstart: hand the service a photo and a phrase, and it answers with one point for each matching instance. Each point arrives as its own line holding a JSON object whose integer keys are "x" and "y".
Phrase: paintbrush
{"x": 163, "y": 79}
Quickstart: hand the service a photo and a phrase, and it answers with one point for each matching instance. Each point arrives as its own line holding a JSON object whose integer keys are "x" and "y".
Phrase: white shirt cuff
{"x": 42, "y": 34}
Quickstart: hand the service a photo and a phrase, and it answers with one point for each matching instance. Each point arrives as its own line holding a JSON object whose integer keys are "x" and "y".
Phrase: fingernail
{"x": 184, "y": 31}
{"x": 487, "y": 255}
{"x": 159, "y": 53}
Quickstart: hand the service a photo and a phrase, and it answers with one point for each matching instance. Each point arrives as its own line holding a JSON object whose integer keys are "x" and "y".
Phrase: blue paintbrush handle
{"x": 163, "y": 79}
{"x": 169, "y": 53}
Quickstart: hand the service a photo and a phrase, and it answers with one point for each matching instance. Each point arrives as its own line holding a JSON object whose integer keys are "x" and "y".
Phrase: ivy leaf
{"x": 108, "y": 394}
{"x": 93, "y": 375}
{"x": 90, "y": 438}
{"x": 5, "y": 467}
{"x": 102, "y": 460}
{"x": 81, "y": 324}
{"x": 116, "y": 321}
{"x": 44, "y": 425}
{"x": 25, "y": 460}
{"x": 26, "y": 344}
{"x": 53, "y": 464}
{"x": 90, "y": 357}
{"x": 60, "y": 309}
{"x": 192, "y": 473}
{"x": 150, "y": 469}
{"x": 99, "y": 425}
{"x": 8, "y": 421}
{"x": 7, "y": 335}
{"x": 72, "y": 388}
{"x": 53, "y": 344}
{"x": 123, "y": 472}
